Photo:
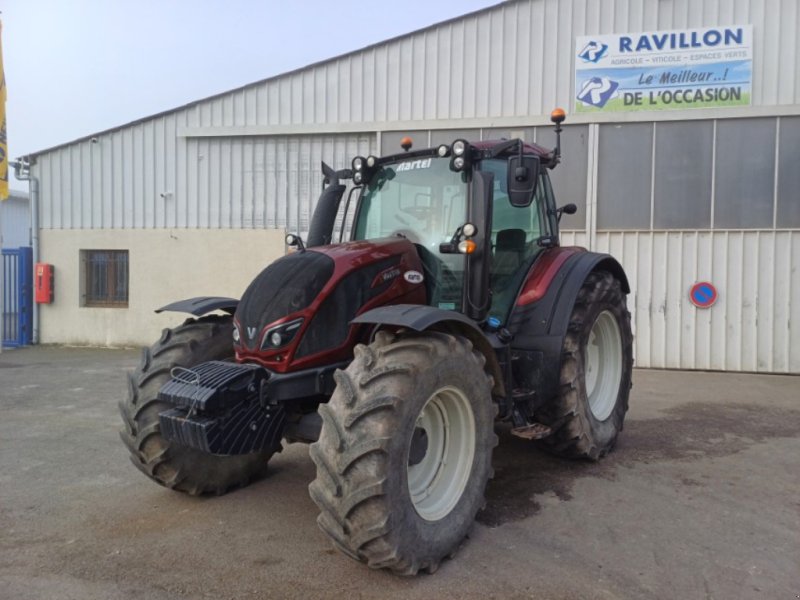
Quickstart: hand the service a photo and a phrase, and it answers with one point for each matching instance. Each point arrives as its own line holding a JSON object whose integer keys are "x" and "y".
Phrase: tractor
{"x": 431, "y": 305}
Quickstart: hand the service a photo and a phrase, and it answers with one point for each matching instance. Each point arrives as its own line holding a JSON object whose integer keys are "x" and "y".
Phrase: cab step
{"x": 534, "y": 431}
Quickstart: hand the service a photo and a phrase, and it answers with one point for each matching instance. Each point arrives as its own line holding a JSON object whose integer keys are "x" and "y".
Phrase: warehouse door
{"x": 17, "y": 300}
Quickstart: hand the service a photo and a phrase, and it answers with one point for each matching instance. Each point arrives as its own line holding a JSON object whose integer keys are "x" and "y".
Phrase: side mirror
{"x": 567, "y": 209}
{"x": 523, "y": 175}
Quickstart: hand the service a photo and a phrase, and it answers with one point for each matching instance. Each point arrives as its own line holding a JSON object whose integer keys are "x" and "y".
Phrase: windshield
{"x": 425, "y": 202}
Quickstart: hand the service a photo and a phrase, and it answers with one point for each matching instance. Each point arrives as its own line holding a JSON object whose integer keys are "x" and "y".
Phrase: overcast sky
{"x": 75, "y": 67}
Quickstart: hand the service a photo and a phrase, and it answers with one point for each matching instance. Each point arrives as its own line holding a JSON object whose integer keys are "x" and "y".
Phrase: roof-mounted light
{"x": 462, "y": 158}
{"x": 558, "y": 115}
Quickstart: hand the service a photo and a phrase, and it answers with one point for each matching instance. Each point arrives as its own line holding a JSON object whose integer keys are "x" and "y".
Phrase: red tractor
{"x": 451, "y": 307}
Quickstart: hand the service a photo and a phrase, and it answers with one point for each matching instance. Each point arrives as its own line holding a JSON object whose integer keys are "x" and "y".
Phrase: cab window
{"x": 515, "y": 232}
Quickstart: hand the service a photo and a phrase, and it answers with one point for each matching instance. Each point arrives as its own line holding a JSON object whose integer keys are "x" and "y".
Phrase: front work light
{"x": 467, "y": 246}
{"x": 372, "y": 161}
{"x": 443, "y": 150}
{"x": 461, "y": 155}
{"x": 358, "y": 163}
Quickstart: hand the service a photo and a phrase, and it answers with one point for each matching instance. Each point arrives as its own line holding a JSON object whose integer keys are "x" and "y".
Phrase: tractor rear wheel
{"x": 167, "y": 463}
{"x": 596, "y": 366}
{"x": 405, "y": 451}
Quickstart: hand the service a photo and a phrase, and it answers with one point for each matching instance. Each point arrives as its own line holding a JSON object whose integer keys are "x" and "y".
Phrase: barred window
{"x": 105, "y": 278}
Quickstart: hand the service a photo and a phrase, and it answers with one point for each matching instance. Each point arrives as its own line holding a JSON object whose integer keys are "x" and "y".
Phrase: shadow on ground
{"x": 688, "y": 432}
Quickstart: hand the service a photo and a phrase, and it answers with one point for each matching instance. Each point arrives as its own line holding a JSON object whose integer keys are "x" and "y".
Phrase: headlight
{"x": 458, "y": 163}
{"x": 236, "y": 335}
{"x": 281, "y": 335}
{"x": 358, "y": 178}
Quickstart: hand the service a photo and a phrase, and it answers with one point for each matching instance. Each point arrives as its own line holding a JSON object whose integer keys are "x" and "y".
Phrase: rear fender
{"x": 201, "y": 305}
{"x": 540, "y": 317}
{"x": 420, "y": 317}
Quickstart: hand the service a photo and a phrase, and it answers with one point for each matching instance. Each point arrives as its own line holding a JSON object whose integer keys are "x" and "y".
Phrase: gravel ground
{"x": 700, "y": 499}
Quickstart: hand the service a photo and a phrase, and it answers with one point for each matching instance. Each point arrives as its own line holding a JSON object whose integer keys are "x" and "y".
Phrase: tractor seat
{"x": 509, "y": 252}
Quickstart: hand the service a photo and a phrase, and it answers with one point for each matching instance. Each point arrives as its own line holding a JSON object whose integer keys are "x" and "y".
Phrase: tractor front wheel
{"x": 172, "y": 465}
{"x": 596, "y": 365}
{"x": 405, "y": 451}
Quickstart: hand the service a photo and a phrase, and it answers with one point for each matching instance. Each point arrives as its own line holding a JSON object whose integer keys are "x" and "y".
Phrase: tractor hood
{"x": 296, "y": 313}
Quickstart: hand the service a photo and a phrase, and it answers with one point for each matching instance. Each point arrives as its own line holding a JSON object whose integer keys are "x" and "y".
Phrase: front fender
{"x": 540, "y": 317}
{"x": 201, "y": 305}
{"x": 421, "y": 317}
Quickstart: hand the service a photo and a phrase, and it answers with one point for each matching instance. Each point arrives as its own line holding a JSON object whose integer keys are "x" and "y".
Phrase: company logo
{"x": 251, "y": 332}
{"x": 597, "y": 91}
{"x": 385, "y": 276}
{"x": 413, "y": 276}
{"x": 593, "y": 52}
{"x": 415, "y": 164}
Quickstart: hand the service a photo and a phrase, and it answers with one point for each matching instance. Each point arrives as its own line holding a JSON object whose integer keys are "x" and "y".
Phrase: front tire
{"x": 169, "y": 464}
{"x": 405, "y": 451}
{"x": 597, "y": 361}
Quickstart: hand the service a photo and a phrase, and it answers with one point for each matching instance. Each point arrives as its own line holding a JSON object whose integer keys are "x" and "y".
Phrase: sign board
{"x": 710, "y": 67}
{"x": 703, "y": 294}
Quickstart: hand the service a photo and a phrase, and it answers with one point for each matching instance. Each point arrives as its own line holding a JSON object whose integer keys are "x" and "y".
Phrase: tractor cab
{"x": 478, "y": 215}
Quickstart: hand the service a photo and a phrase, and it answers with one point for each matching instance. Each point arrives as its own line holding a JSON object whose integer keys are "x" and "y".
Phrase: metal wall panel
{"x": 513, "y": 60}
{"x": 15, "y": 222}
{"x": 133, "y": 178}
{"x": 752, "y": 326}
{"x": 516, "y": 59}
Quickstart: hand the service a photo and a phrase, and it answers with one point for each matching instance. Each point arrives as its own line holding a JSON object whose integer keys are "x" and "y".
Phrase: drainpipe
{"x": 22, "y": 171}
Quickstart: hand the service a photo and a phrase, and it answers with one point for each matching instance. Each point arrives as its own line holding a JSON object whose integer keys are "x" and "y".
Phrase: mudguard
{"x": 201, "y": 305}
{"x": 421, "y": 317}
{"x": 539, "y": 319}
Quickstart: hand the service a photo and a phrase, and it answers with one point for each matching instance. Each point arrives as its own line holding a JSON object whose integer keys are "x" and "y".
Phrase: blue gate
{"x": 17, "y": 300}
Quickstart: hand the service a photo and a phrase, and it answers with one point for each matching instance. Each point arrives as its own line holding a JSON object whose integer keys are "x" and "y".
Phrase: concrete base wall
{"x": 165, "y": 265}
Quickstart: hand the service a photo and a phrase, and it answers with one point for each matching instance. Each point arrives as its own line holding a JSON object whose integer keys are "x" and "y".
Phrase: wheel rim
{"x": 438, "y": 479}
{"x": 603, "y": 365}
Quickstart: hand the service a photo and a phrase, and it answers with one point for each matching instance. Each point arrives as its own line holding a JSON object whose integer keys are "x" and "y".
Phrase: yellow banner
{"x": 3, "y": 141}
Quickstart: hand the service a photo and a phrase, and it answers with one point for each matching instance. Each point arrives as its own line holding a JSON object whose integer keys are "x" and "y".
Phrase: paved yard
{"x": 701, "y": 499}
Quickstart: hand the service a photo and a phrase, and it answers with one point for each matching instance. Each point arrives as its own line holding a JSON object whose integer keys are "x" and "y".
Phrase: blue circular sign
{"x": 703, "y": 294}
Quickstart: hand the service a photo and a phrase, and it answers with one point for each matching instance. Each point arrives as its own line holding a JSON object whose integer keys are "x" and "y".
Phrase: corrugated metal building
{"x": 678, "y": 196}
{"x": 15, "y": 219}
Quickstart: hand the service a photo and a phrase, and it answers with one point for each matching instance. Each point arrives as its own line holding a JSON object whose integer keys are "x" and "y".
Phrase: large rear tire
{"x": 405, "y": 451}
{"x": 597, "y": 361}
{"x": 169, "y": 464}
